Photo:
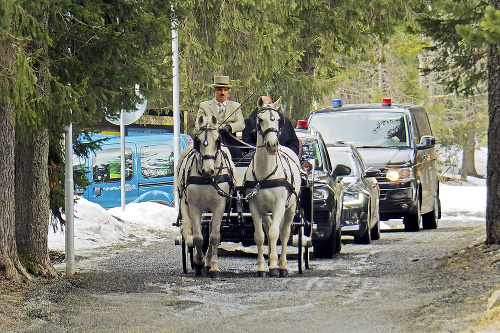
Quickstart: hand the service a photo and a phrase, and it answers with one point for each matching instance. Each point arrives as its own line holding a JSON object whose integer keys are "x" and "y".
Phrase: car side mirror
{"x": 372, "y": 172}
{"x": 426, "y": 141}
{"x": 341, "y": 170}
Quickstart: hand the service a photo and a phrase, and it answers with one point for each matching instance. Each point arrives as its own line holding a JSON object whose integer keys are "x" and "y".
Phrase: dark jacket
{"x": 286, "y": 138}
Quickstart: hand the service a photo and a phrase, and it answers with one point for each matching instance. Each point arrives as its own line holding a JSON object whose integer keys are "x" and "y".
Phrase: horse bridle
{"x": 272, "y": 118}
{"x": 197, "y": 142}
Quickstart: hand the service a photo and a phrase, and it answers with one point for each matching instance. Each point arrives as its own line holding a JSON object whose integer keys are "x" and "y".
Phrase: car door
{"x": 426, "y": 161}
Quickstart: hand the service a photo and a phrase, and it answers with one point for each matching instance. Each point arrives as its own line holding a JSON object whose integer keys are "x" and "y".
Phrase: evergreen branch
{"x": 70, "y": 17}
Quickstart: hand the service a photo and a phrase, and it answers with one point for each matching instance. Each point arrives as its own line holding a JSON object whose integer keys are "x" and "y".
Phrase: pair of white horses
{"x": 205, "y": 180}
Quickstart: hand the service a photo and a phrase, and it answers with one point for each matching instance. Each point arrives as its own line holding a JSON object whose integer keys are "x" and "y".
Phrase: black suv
{"x": 396, "y": 139}
{"x": 327, "y": 194}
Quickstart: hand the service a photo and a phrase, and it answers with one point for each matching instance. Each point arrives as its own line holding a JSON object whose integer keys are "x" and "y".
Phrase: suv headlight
{"x": 320, "y": 193}
{"x": 399, "y": 174}
{"x": 353, "y": 199}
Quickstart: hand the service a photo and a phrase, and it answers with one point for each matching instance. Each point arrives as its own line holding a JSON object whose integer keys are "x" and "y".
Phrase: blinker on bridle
{"x": 271, "y": 117}
{"x": 205, "y": 143}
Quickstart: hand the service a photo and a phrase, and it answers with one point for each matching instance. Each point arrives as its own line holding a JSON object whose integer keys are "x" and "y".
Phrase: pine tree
{"x": 85, "y": 59}
{"x": 483, "y": 33}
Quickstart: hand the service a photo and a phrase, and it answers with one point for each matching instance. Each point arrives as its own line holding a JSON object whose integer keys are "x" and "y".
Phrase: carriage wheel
{"x": 185, "y": 255}
{"x": 301, "y": 249}
{"x": 306, "y": 257}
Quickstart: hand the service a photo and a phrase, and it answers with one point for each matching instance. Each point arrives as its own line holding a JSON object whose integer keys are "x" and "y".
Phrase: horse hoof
{"x": 206, "y": 270}
{"x": 274, "y": 272}
{"x": 198, "y": 271}
{"x": 214, "y": 274}
{"x": 261, "y": 274}
{"x": 283, "y": 273}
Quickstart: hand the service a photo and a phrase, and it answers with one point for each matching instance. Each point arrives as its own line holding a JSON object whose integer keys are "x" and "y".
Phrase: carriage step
{"x": 189, "y": 241}
{"x": 306, "y": 241}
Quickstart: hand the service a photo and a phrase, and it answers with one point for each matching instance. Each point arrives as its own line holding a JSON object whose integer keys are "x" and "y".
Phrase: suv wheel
{"x": 376, "y": 231}
{"x": 430, "y": 219}
{"x": 326, "y": 248}
{"x": 338, "y": 240}
{"x": 412, "y": 220}
{"x": 366, "y": 237}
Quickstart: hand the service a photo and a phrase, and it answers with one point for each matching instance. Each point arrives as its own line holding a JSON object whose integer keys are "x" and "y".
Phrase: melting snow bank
{"x": 96, "y": 227}
{"x": 468, "y": 198}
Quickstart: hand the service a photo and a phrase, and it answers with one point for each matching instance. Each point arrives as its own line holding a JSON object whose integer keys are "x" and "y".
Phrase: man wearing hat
{"x": 228, "y": 113}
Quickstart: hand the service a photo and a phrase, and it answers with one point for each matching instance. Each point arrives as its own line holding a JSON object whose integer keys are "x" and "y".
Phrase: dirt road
{"x": 404, "y": 282}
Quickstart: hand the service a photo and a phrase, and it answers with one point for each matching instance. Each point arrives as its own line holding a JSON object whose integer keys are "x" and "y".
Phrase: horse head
{"x": 207, "y": 143}
{"x": 269, "y": 122}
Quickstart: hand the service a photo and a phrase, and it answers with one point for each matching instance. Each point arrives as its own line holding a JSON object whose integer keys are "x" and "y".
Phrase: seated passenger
{"x": 287, "y": 136}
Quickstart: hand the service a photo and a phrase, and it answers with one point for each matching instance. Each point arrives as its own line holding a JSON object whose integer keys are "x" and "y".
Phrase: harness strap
{"x": 269, "y": 183}
{"x": 196, "y": 180}
{"x": 256, "y": 185}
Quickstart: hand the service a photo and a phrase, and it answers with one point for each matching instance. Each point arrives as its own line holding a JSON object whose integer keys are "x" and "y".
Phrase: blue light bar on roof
{"x": 337, "y": 102}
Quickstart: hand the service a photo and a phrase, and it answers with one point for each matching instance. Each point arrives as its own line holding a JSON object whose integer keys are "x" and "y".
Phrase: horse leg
{"x": 212, "y": 260}
{"x": 273, "y": 235}
{"x": 198, "y": 257}
{"x": 284, "y": 236}
{"x": 186, "y": 231}
{"x": 259, "y": 240}
{"x": 267, "y": 223}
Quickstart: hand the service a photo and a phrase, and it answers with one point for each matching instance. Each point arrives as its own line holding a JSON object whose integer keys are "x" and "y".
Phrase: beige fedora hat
{"x": 221, "y": 81}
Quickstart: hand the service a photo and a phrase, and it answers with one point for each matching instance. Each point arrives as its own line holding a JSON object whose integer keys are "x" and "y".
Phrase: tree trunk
{"x": 493, "y": 166}
{"x": 32, "y": 181}
{"x": 32, "y": 203}
{"x": 468, "y": 154}
{"x": 10, "y": 266}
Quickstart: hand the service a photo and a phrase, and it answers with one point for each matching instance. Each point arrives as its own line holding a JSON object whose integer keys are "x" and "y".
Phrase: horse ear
{"x": 214, "y": 121}
{"x": 260, "y": 102}
{"x": 199, "y": 121}
{"x": 277, "y": 104}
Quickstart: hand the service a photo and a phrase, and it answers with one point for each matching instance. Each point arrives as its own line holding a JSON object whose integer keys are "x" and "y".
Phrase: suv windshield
{"x": 363, "y": 128}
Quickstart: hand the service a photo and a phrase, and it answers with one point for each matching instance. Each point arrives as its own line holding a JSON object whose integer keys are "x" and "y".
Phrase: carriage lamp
{"x": 399, "y": 174}
{"x": 306, "y": 166}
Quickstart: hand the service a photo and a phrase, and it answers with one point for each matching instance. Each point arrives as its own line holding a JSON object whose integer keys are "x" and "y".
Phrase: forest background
{"x": 77, "y": 62}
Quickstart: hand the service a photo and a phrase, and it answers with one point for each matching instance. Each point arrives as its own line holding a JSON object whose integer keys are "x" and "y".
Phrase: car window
{"x": 106, "y": 165}
{"x": 310, "y": 150}
{"x": 344, "y": 157}
{"x": 421, "y": 125}
{"x": 363, "y": 128}
{"x": 157, "y": 161}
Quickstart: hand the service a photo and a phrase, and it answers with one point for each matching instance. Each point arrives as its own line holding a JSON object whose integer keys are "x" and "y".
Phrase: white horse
{"x": 272, "y": 185}
{"x": 205, "y": 179}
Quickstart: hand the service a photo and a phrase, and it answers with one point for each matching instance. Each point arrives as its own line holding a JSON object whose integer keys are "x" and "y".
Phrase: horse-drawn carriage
{"x": 268, "y": 189}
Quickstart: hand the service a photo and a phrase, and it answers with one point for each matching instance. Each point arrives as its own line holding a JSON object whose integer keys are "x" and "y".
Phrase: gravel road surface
{"x": 404, "y": 282}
